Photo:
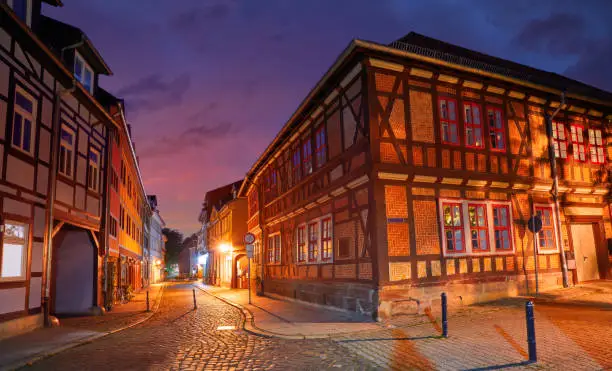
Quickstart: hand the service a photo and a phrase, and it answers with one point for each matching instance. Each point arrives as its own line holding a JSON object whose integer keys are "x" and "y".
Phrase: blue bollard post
{"x": 531, "y": 337}
{"x": 148, "y": 310}
{"x": 444, "y": 316}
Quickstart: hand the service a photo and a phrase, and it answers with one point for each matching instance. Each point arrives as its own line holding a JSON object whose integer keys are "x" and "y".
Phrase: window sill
{"x": 477, "y": 254}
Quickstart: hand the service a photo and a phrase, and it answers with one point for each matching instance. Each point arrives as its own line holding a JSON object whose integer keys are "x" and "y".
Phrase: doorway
{"x": 585, "y": 252}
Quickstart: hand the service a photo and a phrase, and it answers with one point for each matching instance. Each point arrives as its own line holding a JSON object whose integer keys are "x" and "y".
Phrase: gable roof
{"x": 218, "y": 197}
{"x": 58, "y": 35}
{"x": 54, "y": 2}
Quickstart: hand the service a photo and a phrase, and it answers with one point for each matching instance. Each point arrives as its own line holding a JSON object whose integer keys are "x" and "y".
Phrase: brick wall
{"x": 396, "y": 203}
{"x": 399, "y": 271}
{"x": 426, "y": 227}
{"x": 421, "y": 116}
{"x": 345, "y": 271}
{"x": 398, "y": 239}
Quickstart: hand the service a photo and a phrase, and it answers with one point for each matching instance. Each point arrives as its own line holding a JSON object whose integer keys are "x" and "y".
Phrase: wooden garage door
{"x": 585, "y": 252}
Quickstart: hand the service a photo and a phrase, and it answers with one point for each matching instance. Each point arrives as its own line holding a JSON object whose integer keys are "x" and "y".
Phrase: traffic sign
{"x": 249, "y": 250}
{"x": 249, "y": 238}
{"x": 535, "y": 224}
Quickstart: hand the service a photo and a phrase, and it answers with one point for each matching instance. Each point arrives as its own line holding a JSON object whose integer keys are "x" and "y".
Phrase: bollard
{"x": 195, "y": 305}
{"x": 444, "y": 316}
{"x": 531, "y": 338}
{"x": 148, "y": 310}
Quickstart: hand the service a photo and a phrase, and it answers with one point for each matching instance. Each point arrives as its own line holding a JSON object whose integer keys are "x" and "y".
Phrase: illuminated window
{"x": 477, "y": 214}
{"x": 473, "y": 125}
{"x": 496, "y": 129}
{"x": 307, "y": 156}
{"x": 23, "y": 121}
{"x": 313, "y": 242}
{"x": 301, "y": 244}
{"x": 326, "y": 239}
{"x": 578, "y": 146}
{"x": 14, "y": 251}
{"x": 596, "y": 146}
{"x": 296, "y": 162}
{"x": 274, "y": 249}
{"x": 93, "y": 170}
{"x": 66, "y": 154}
{"x": 501, "y": 227}
{"x": 453, "y": 227}
{"x": 547, "y": 234}
{"x": 321, "y": 147}
{"x": 559, "y": 140}
{"x": 83, "y": 73}
{"x": 448, "y": 120}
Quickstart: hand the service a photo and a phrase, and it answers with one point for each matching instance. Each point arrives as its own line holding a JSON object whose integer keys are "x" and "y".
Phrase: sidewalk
{"x": 286, "y": 319}
{"x": 24, "y": 349}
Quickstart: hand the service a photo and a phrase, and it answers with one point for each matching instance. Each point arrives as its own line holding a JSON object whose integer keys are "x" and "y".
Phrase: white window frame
{"x": 555, "y": 232}
{"x": 86, "y": 68}
{"x": 28, "y": 19}
{"x": 280, "y": 248}
{"x": 70, "y": 147}
{"x": 93, "y": 165}
{"x": 24, "y": 255}
{"x": 319, "y": 222}
{"x": 465, "y": 218}
{"x": 24, "y": 115}
{"x": 297, "y": 245}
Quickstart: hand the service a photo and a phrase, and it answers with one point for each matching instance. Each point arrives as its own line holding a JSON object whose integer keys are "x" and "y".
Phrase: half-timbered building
{"x": 412, "y": 169}
{"x": 53, "y": 139}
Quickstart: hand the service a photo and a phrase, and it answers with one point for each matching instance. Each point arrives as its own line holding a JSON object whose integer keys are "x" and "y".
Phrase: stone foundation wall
{"x": 349, "y": 296}
{"x": 20, "y": 326}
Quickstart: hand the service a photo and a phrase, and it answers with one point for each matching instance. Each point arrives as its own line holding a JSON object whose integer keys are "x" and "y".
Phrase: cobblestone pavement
{"x": 178, "y": 337}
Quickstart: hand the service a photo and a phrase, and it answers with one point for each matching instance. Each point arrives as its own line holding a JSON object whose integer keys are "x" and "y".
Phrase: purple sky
{"x": 209, "y": 83}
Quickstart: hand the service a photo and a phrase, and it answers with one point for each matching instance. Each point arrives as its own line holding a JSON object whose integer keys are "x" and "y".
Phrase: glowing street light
{"x": 225, "y": 247}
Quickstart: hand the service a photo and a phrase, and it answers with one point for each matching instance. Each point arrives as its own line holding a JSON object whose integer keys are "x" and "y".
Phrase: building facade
{"x": 413, "y": 168}
{"x": 157, "y": 243}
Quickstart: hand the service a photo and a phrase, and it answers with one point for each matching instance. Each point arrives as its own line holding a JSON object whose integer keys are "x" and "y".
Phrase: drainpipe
{"x": 61, "y": 92}
{"x": 555, "y": 187}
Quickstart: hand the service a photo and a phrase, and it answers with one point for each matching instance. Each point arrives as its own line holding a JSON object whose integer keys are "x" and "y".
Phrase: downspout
{"x": 108, "y": 172}
{"x": 555, "y": 187}
{"x": 52, "y": 180}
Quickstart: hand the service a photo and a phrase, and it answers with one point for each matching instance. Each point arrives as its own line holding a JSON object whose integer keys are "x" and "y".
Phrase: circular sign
{"x": 535, "y": 224}
{"x": 249, "y": 238}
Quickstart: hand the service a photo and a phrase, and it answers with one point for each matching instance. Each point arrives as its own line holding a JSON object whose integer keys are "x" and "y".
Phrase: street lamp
{"x": 225, "y": 247}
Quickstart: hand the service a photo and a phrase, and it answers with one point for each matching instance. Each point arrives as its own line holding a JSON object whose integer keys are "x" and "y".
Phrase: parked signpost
{"x": 249, "y": 238}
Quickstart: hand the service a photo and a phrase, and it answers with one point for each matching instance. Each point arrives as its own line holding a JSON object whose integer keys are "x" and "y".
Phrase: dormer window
{"x": 23, "y": 9}
{"x": 83, "y": 73}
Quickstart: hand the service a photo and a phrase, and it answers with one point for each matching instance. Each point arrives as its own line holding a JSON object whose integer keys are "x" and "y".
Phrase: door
{"x": 585, "y": 252}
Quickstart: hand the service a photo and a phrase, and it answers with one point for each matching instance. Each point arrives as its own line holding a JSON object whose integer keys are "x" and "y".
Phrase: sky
{"x": 209, "y": 83}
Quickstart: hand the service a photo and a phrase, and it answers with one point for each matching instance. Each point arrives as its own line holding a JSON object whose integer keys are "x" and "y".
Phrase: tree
{"x": 174, "y": 245}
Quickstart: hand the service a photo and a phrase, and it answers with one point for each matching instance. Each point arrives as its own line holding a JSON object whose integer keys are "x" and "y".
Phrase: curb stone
{"x": 50, "y": 353}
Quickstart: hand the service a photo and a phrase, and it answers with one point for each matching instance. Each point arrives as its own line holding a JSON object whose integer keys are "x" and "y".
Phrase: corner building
{"x": 411, "y": 169}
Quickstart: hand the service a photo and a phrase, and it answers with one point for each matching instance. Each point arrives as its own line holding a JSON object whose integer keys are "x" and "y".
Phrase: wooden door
{"x": 585, "y": 251}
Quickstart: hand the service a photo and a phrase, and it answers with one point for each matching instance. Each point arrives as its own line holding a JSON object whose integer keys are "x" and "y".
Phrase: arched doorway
{"x": 74, "y": 272}
{"x": 241, "y": 275}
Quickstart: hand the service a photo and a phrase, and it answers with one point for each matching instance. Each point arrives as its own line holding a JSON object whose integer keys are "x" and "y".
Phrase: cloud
{"x": 593, "y": 67}
{"x": 558, "y": 34}
{"x": 195, "y": 136}
{"x": 153, "y": 92}
{"x": 193, "y": 18}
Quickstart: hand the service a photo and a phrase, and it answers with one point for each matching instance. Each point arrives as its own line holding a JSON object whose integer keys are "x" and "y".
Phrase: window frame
{"x": 320, "y": 154}
{"x": 600, "y": 157}
{"x": 274, "y": 252}
{"x": 85, "y": 68}
{"x": 495, "y": 130}
{"x": 558, "y": 141}
{"x": 468, "y": 251}
{"x": 327, "y": 239}
{"x": 576, "y": 145}
{"x": 93, "y": 186}
{"x": 479, "y": 228}
{"x": 28, "y": 20}
{"x": 65, "y": 127}
{"x": 306, "y": 145}
{"x": 499, "y": 228}
{"x": 553, "y": 220}
{"x": 471, "y": 125}
{"x": 296, "y": 164}
{"x": 313, "y": 255}
{"x": 25, "y": 252}
{"x": 448, "y": 121}
{"x": 24, "y": 115}
{"x": 300, "y": 243}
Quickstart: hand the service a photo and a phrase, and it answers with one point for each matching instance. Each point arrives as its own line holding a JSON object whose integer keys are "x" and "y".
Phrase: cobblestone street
{"x": 177, "y": 337}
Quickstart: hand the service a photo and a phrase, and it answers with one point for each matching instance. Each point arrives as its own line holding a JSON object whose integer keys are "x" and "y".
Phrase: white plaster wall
{"x": 12, "y": 300}
{"x": 19, "y": 172}
{"x": 16, "y": 207}
{"x": 74, "y": 276}
{"x": 64, "y": 192}
{"x": 37, "y": 256}
{"x": 35, "y": 292}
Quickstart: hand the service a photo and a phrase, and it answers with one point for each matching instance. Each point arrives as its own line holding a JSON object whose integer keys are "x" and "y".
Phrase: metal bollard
{"x": 148, "y": 310}
{"x": 195, "y": 305}
{"x": 531, "y": 337}
{"x": 444, "y": 316}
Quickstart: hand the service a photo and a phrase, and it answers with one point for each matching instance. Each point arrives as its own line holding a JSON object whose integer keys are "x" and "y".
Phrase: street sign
{"x": 249, "y": 238}
{"x": 249, "y": 250}
{"x": 535, "y": 224}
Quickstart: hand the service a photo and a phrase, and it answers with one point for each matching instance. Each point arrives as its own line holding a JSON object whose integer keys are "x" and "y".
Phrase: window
{"x": 274, "y": 249}
{"x": 93, "y": 170}
{"x": 596, "y": 146}
{"x": 478, "y": 227}
{"x": 547, "y": 234}
{"x": 307, "y": 156}
{"x": 326, "y": 239}
{"x": 501, "y": 227}
{"x": 578, "y": 146}
{"x": 66, "y": 154}
{"x": 453, "y": 227}
{"x": 313, "y": 242}
{"x": 296, "y": 165}
{"x": 112, "y": 227}
{"x": 23, "y": 9}
{"x": 321, "y": 147}
{"x": 473, "y": 125}
{"x": 83, "y": 73}
{"x": 23, "y": 121}
{"x": 14, "y": 251}
{"x": 448, "y": 120}
{"x": 559, "y": 140}
{"x": 496, "y": 129}
{"x": 301, "y": 243}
